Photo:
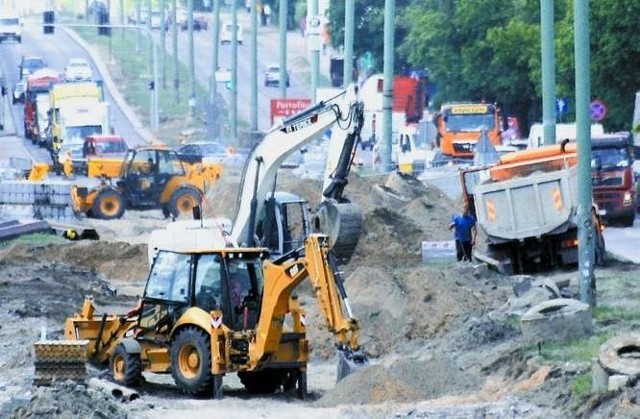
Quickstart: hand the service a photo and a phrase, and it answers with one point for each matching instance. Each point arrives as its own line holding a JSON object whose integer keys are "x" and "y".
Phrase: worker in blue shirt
{"x": 465, "y": 233}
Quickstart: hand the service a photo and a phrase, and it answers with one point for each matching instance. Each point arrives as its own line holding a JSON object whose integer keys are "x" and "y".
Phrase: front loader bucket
{"x": 350, "y": 361}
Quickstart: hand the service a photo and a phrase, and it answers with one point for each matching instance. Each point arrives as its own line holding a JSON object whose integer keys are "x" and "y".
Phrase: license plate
{"x": 602, "y": 212}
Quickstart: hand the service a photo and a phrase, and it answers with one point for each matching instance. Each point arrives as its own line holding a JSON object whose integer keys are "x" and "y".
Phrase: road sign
{"x": 284, "y": 108}
{"x": 562, "y": 105}
{"x": 597, "y": 110}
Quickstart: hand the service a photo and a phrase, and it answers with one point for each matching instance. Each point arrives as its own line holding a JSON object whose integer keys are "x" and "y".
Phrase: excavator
{"x": 219, "y": 303}
{"x": 280, "y": 220}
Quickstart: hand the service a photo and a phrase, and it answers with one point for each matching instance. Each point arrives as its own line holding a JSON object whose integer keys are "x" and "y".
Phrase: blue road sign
{"x": 562, "y": 105}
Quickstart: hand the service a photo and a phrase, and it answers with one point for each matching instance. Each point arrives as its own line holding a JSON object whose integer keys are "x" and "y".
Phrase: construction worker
{"x": 465, "y": 233}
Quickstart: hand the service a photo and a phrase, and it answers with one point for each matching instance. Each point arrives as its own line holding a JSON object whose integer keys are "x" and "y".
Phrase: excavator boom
{"x": 260, "y": 172}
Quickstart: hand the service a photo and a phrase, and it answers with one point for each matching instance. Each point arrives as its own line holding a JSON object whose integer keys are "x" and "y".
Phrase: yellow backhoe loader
{"x": 211, "y": 312}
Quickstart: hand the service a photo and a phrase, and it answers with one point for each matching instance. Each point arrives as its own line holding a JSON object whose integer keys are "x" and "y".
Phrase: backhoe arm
{"x": 281, "y": 278}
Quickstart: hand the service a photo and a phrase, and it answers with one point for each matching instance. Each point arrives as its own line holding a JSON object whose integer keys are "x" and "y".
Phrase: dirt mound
{"x": 114, "y": 260}
{"x": 68, "y": 400}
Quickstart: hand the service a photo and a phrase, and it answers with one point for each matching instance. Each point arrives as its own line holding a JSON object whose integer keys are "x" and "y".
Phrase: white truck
{"x": 78, "y": 119}
{"x": 10, "y": 26}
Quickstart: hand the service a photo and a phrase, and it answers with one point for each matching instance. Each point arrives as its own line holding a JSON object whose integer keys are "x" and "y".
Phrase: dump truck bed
{"x": 531, "y": 206}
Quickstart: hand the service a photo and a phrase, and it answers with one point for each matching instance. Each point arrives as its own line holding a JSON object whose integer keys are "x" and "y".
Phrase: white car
{"x": 272, "y": 76}
{"x": 78, "y": 69}
{"x": 226, "y": 33}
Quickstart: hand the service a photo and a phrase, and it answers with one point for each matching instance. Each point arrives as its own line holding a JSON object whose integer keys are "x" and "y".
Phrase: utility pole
{"x": 349, "y": 15}
{"x": 234, "y": 71}
{"x": 547, "y": 34}
{"x": 192, "y": 62}
{"x": 586, "y": 240}
{"x": 213, "y": 88}
{"x": 174, "y": 38}
{"x": 314, "y": 43}
{"x": 138, "y": 23}
{"x": 254, "y": 68}
{"x": 163, "y": 43}
{"x": 283, "y": 47}
{"x": 387, "y": 84}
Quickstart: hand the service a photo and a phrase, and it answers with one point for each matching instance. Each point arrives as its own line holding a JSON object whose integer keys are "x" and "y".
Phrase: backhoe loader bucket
{"x": 60, "y": 360}
{"x": 343, "y": 224}
{"x": 350, "y": 361}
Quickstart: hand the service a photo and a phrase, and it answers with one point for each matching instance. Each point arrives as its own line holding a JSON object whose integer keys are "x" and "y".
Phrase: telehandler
{"x": 222, "y": 310}
{"x": 150, "y": 177}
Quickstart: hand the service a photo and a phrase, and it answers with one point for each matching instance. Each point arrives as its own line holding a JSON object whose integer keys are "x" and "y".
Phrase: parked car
{"x": 272, "y": 76}
{"x": 29, "y": 64}
{"x": 103, "y": 145}
{"x": 200, "y": 22}
{"x": 78, "y": 69}
{"x": 226, "y": 33}
{"x": 18, "y": 91}
{"x": 198, "y": 151}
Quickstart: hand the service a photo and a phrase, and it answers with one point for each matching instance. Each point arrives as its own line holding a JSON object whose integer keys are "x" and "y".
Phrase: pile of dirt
{"x": 118, "y": 261}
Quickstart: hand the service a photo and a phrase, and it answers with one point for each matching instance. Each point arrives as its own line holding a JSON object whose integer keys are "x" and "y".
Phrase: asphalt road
{"x": 34, "y": 42}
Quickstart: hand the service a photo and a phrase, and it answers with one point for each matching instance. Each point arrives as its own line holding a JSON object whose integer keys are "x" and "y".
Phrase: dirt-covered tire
{"x": 263, "y": 381}
{"x": 125, "y": 368}
{"x": 183, "y": 201}
{"x": 619, "y": 355}
{"x": 191, "y": 362}
{"x": 109, "y": 205}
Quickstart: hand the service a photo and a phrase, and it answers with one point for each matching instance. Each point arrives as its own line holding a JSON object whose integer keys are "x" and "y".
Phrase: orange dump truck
{"x": 526, "y": 205}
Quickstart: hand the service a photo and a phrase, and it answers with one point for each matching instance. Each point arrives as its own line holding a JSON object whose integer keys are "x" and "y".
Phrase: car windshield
{"x": 610, "y": 158}
{"x": 9, "y": 21}
{"x": 112, "y": 147}
{"x": 84, "y": 131}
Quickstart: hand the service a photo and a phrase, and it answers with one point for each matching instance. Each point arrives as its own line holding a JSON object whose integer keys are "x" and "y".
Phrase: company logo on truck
{"x": 469, "y": 109}
{"x": 297, "y": 126}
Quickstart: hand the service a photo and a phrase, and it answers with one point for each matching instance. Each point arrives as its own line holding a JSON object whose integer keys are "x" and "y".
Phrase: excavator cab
{"x": 283, "y": 223}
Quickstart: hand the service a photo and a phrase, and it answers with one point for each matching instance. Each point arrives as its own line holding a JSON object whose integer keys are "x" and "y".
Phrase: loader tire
{"x": 126, "y": 368}
{"x": 191, "y": 362}
{"x": 263, "y": 381}
{"x": 109, "y": 205}
{"x": 343, "y": 224}
{"x": 183, "y": 201}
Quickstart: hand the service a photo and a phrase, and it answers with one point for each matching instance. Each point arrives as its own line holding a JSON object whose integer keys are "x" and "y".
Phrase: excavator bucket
{"x": 350, "y": 361}
{"x": 343, "y": 224}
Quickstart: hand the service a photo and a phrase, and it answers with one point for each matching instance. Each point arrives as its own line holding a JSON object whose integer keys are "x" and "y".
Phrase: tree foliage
{"x": 490, "y": 49}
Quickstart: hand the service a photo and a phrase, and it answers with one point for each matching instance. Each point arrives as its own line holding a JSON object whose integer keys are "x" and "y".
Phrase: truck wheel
{"x": 126, "y": 368}
{"x": 191, "y": 362}
{"x": 183, "y": 201}
{"x": 109, "y": 205}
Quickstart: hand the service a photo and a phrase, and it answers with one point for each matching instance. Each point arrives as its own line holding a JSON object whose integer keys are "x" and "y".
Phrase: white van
{"x": 10, "y": 27}
{"x": 563, "y": 131}
{"x": 226, "y": 33}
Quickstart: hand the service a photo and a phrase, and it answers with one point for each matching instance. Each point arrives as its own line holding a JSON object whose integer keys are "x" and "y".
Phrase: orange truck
{"x": 459, "y": 127}
{"x": 38, "y": 85}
